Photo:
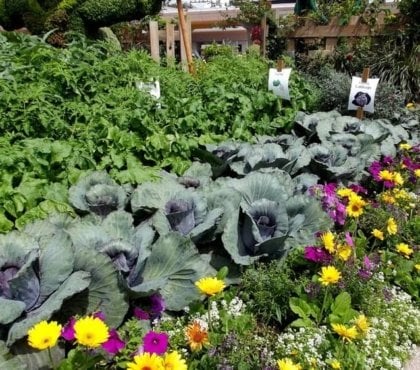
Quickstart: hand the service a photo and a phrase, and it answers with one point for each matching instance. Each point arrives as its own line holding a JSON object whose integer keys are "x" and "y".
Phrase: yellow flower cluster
{"x": 396, "y": 195}
{"x": 151, "y": 361}
{"x": 359, "y": 328}
{"x": 394, "y": 177}
{"x": 89, "y": 331}
{"x": 343, "y": 251}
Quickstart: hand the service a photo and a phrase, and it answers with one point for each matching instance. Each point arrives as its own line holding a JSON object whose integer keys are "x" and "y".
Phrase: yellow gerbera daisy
{"x": 174, "y": 361}
{"x": 391, "y": 226}
{"x": 362, "y": 323}
{"x": 378, "y": 234}
{"x": 335, "y": 364}
{"x": 345, "y": 333}
{"x": 90, "y": 331}
{"x": 386, "y": 175}
{"x": 197, "y": 336}
{"x": 328, "y": 241}
{"x": 405, "y": 146}
{"x": 355, "y": 206}
{"x": 288, "y": 364}
{"x": 397, "y": 178}
{"x": 44, "y": 335}
{"x": 146, "y": 361}
{"x": 345, "y": 192}
{"x": 417, "y": 266}
{"x": 404, "y": 249}
{"x": 344, "y": 251}
{"x": 417, "y": 172}
{"x": 210, "y": 285}
{"x": 329, "y": 275}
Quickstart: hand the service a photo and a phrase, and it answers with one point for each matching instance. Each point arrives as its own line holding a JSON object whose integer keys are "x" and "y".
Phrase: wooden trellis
{"x": 333, "y": 31}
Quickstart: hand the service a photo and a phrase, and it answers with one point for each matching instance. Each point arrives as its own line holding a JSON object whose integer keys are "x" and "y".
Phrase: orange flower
{"x": 197, "y": 336}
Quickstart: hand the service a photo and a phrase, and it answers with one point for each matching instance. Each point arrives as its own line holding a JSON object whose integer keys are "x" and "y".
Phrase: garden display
{"x": 214, "y": 227}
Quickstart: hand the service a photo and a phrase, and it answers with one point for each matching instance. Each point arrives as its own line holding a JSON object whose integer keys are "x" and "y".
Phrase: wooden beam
{"x": 154, "y": 40}
{"x": 170, "y": 40}
{"x": 186, "y": 37}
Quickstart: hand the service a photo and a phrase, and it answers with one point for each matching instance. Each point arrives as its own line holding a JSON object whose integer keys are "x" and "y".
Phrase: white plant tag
{"x": 362, "y": 94}
{"x": 153, "y": 87}
{"x": 278, "y": 82}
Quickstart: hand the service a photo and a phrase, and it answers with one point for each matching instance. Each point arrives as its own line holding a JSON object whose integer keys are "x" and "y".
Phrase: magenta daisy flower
{"x": 154, "y": 342}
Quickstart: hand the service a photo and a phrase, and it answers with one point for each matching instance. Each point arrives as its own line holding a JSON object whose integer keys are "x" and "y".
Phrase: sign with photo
{"x": 278, "y": 82}
{"x": 362, "y": 94}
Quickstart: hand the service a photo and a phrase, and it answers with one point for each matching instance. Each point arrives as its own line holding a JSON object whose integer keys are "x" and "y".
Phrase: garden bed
{"x": 205, "y": 230}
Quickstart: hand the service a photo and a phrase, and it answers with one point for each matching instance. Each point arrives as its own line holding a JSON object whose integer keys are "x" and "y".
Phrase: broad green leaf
{"x": 75, "y": 283}
{"x": 104, "y": 293}
{"x": 174, "y": 265}
{"x": 10, "y": 310}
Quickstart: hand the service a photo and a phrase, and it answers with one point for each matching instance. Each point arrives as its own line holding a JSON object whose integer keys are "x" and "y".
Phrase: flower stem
{"x": 209, "y": 313}
{"x": 51, "y": 359}
{"x": 323, "y": 305}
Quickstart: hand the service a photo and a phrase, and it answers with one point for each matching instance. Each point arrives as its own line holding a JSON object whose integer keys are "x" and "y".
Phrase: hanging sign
{"x": 362, "y": 94}
{"x": 278, "y": 82}
{"x": 152, "y": 87}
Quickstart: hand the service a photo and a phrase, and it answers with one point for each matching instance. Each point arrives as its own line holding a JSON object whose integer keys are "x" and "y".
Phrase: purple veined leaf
{"x": 6, "y": 274}
{"x": 180, "y": 215}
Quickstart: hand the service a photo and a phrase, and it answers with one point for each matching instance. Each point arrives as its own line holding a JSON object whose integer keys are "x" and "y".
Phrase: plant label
{"x": 152, "y": 87}
{"x": 362, "y": 94}
{"x": 278, "y": 82}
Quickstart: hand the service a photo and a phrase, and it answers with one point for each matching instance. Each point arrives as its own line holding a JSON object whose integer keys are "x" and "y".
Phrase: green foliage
{"x": 106, "y": 12}
{"x": 75, "y": 109}
{"x": 37, "y": 15}
{"x": 216, "y": 50}
{"x": 267, "y": 289}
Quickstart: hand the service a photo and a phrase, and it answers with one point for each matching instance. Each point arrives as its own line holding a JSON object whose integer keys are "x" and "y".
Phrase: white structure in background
{"x": 205, "y": 14}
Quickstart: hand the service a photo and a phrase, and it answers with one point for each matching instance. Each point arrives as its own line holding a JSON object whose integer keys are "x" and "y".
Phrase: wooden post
{"x": 365, "y": 76}
{"x": 185, "y": 36}
{"x": 330, "y": 44}
{"x": 291, "y": 47}
{"x": 264, "y": 35}
{"x": 170, "y": 40}
{"x": 154, "y": 40}
{"x": 280, "y": 65}
{"x": 264, "y": 28}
